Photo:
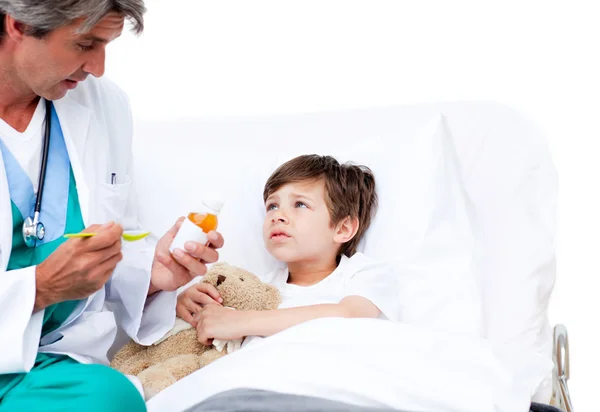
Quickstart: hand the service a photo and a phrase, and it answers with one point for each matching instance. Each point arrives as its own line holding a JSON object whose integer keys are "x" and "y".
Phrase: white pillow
{"x": 509, "y": 174}
{"x": 424, "y": 225}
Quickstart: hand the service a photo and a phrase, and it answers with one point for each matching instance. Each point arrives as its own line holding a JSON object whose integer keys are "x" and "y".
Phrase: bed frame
{"x": 560, "y": 396}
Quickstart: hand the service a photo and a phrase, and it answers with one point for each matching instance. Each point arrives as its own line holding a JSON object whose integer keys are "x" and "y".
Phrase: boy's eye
{"x": 271, "y": 206}
{"x": 301, "y": 204}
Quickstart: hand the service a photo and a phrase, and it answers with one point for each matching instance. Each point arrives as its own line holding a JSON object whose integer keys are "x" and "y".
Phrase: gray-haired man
{"x": 67, "y": 135}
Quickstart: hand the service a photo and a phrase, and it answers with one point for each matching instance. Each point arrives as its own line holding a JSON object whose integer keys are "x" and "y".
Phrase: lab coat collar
{"x": 5, "y": 217}
{"x": 75, "y": 123}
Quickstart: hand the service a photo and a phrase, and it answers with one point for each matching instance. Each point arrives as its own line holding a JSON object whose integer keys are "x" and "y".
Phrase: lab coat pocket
{"x": 111, "y": 202}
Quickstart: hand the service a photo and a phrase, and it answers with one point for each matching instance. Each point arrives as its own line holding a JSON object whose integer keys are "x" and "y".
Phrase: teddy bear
{"x": 179, "y": 353}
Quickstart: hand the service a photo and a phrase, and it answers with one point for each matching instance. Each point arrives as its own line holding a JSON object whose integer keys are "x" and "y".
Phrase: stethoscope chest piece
{"x": 33, "y": 231}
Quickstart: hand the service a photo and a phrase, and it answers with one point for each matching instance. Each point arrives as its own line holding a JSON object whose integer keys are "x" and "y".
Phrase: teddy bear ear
{"x": 218, "y": 266}
{"x": 216, "y": 269}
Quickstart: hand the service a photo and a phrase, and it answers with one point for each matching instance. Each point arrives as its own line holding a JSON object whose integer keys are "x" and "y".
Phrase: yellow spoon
{"x": 130, "y": 237}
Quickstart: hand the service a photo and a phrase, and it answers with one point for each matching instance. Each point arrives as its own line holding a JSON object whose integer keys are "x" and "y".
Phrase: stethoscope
{"x": 33, "y": 229}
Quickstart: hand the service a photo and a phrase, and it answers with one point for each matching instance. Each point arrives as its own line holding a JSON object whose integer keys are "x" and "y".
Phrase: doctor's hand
{"x": 79, "y": 267}
{"x": 169, "y": 274}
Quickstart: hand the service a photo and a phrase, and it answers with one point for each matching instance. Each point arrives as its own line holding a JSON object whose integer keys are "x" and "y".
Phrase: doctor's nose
{"x": 95, "y": 65}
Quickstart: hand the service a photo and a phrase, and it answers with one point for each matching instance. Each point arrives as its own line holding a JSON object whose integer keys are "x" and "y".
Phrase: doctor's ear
{"x": 13, "y": 29}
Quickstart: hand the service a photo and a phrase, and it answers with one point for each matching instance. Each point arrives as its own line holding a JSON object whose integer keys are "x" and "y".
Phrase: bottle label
{"x": 188, "y": 232}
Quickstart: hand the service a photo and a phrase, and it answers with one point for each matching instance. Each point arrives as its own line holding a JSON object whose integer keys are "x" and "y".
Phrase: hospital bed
{"x": 467, "y": 212}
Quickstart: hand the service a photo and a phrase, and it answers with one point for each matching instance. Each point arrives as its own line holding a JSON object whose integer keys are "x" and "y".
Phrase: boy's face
{"x": 298, "y": 226}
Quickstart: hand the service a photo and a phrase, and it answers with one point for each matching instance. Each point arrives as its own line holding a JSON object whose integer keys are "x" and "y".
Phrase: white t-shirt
{"x": 355, "y": 276}
{"x": 26, "y": 147}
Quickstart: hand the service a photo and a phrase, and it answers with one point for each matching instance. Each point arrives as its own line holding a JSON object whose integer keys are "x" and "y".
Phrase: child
{"x": 317, "y": 211}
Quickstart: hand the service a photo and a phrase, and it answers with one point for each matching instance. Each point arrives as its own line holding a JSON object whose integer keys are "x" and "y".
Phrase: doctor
{"x": 65, "y": 163}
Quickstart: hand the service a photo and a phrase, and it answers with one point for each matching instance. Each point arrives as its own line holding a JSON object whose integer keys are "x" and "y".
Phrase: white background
{"x": 201, "y": 58}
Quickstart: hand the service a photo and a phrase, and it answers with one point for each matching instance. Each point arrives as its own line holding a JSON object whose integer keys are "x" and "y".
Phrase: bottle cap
{"x": 214, "y": 205}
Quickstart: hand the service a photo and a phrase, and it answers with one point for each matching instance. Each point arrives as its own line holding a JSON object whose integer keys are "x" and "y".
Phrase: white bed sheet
{"x": 372, "y": 363}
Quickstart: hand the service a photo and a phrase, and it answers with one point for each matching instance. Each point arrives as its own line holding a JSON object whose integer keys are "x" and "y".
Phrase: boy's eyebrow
{"x": 273, "y": 195}
{"x": 293, "y": 195}
{"x": 301, "y": 196}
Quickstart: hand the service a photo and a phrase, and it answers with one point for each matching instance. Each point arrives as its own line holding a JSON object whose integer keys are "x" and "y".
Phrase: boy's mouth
{"x": 278, "y": 234}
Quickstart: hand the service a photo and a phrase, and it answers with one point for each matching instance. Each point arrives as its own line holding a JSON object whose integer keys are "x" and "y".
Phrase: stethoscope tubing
{"x": 45, "y": 149}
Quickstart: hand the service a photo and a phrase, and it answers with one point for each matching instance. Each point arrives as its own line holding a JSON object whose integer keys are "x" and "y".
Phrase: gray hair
{"x": 43, "y": 16}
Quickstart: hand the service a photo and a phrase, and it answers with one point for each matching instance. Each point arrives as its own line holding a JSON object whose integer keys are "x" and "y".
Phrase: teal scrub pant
{"x": 58, "y": 383}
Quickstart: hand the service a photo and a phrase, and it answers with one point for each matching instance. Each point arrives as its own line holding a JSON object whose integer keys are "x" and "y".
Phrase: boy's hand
{"x": 191, "y": 301}
{"x": 217, "y": 322}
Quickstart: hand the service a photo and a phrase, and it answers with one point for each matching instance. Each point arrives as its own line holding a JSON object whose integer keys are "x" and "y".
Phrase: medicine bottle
{"x": 197, "y": 224}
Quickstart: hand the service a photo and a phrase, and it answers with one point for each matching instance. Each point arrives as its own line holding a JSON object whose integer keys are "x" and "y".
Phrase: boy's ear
{"x": 346, "y": 230}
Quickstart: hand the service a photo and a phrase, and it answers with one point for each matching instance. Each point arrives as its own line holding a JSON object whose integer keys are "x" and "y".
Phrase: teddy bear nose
{"x": 221, "y": 279}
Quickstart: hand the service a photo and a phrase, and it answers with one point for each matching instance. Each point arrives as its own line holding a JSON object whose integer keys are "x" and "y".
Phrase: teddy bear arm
{"x": 163, "y": 374}
{"x": 210, "y": 356}
{"x": 182, "y": 343}
{"x": 130, "y": 359}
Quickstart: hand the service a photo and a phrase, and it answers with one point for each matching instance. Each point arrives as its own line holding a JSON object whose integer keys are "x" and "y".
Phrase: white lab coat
{"x": 97, "y": 126}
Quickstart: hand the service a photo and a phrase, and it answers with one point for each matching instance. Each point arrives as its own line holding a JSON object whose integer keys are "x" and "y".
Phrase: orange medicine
{"x": 197, "y": 224}
{"x": 205, "y": 221}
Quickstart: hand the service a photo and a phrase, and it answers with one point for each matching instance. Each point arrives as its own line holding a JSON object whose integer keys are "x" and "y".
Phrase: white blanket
{"x": 372, "y": 363}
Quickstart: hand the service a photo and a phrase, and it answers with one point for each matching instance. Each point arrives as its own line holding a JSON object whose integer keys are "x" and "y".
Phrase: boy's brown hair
{"x": 349, "y": 190}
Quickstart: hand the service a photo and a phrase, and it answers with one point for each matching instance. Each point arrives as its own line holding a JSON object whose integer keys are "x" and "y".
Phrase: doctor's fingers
{"x": 168, "y": 237}
{"x": 175, "y": 228}
{"x": 109, "y": 260}
{"x": 216, "y": 239}
{"x": 92, "y": 228}
{"x": 201, "y": 252}
{"x": 100, "y": 274}
{"x": 97, "y": 257}
{"x": 105, "y": 238}
{"x": 188, "y": 265}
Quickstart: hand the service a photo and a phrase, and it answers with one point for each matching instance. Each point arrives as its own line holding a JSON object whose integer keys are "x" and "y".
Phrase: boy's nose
{"x": 279, "y": 217}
